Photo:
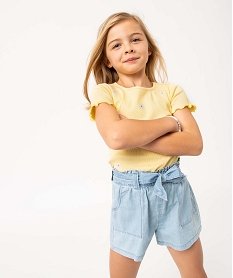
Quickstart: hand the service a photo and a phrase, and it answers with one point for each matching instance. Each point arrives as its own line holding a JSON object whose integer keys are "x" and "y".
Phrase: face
{"x": 127, "y": 48}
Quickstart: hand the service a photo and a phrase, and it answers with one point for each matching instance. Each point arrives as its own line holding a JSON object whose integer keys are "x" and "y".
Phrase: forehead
{"x": 124, "y": 28}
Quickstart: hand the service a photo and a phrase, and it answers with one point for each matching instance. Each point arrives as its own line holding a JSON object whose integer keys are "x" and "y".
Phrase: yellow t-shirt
{"x": 145, "y": 104}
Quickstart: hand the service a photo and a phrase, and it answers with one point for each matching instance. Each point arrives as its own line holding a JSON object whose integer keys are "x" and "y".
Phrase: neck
{"x": 130, "y": 81}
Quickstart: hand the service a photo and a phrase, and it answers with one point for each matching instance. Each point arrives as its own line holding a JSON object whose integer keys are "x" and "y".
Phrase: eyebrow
{"x": 129, "y": 36}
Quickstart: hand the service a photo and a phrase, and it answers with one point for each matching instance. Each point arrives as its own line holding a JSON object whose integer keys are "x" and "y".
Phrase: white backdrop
{"x": 54, "y": 179}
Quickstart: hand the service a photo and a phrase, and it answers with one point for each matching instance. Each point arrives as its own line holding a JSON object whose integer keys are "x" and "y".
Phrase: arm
{"x": 123, "y": 134}
{"x": 187, "y": 142}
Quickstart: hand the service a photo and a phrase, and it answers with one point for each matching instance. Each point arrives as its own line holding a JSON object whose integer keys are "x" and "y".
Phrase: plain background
{"x": 55, "y": 191}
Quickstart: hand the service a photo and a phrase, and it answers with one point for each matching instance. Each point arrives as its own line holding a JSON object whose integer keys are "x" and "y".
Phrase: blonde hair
{"x": 97, "y": 60}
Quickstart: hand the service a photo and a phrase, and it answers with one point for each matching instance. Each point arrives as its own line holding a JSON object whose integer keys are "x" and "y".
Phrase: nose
{"x": 129, "y": 50}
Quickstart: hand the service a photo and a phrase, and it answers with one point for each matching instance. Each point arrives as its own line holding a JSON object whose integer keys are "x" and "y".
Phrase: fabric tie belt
{"x": 135, "y": 178}
{"x": 172, "y": 173}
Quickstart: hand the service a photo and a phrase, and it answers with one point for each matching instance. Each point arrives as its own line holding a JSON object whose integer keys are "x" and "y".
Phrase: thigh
{"x": 122, "y": 267}
{"x": 190, "y": 261}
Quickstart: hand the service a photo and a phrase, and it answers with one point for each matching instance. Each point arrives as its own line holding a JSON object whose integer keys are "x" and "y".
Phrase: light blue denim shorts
{"x": 148, "y": 203}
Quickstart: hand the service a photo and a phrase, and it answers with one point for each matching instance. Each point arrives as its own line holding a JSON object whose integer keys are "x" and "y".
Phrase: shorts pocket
{"x": 187, "y": 202}
{"x": 126, "y": 215}
{"x": 115, "y": 196}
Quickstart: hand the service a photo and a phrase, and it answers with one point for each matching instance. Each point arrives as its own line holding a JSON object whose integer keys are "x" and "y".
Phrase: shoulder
{"x": 101, "y": 93}
{"x": 102, "y": 86}
{"x": 100, "y": 90}
{"x": 171, "y": 87}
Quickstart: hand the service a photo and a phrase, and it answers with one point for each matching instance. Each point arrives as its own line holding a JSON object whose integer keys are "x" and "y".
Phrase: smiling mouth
{"x": 130, "y": 60}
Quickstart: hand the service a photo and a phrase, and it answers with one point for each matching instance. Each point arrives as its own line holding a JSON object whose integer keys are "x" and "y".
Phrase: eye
{"x": 116, "y": 45}
{"x": 136, "y": 40}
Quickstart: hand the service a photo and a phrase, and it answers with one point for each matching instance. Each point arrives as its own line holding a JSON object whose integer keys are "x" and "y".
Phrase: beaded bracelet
{"x": 178, "y": 123}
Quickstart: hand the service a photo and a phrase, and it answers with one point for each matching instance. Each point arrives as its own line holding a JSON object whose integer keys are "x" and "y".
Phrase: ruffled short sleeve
{"x": 179, "y": 100}
{"x": 101, "y": 93}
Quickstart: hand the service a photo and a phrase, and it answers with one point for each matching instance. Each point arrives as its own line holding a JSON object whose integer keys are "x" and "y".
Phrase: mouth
{"x": 132, "y": 59}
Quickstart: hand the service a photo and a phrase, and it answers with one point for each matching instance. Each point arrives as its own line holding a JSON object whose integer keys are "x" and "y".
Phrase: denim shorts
{"x": 148, "y": 203}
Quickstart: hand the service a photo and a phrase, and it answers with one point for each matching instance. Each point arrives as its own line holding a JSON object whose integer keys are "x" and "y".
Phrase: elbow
{"x": 114, "y": 141}
{"x": 114, "y": 145}
{"x": 197, "y": 152}
{"x": 198, "y": 149}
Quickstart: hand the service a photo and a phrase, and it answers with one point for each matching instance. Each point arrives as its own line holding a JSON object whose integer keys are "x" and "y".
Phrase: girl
{"x": 147, "y": 126}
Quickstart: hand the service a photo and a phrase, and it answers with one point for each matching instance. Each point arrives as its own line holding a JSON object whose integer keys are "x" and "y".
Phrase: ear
{"x": 108, "y": 64}
{"x": 149, "y": 52}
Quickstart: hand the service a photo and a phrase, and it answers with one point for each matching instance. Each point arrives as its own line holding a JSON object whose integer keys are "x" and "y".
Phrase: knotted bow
{"x": 172, "y": 173}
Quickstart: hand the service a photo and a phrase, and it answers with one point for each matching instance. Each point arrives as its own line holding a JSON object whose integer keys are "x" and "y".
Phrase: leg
{"x": 122, "y": 267}
{"x": 190, "y": 261}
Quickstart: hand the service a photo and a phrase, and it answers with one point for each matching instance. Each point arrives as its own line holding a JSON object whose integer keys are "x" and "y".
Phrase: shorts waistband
{"x": 137, "y": 178}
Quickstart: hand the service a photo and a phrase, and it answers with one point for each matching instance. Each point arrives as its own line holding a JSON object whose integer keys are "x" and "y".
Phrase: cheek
{"x": 114, "y": 57}
{"x": 107, "y": 59}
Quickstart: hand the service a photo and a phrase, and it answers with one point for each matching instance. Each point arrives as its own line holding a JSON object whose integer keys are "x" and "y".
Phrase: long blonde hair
{"x": 97, "y": 59}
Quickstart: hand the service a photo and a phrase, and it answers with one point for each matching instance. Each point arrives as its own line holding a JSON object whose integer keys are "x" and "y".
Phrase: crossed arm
{"x": 159, "y": 135}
